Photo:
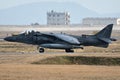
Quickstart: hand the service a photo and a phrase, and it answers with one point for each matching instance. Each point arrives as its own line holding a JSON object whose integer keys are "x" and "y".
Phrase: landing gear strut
{"x": 69, "y": 50}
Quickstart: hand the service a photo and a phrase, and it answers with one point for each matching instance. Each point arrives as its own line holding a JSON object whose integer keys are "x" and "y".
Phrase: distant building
{"x": 100, "y": 21}
{"x": 58, "y": 18}
{"x": 118, "y": 21}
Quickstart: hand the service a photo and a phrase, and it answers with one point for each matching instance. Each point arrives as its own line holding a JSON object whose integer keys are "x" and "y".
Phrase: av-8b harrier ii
{"x": 64, "y": 41}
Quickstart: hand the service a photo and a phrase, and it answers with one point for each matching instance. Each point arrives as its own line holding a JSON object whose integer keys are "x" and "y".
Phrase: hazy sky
{"x": 100, "y": 6}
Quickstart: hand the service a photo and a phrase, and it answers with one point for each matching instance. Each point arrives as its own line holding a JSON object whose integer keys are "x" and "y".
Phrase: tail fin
{"x": 106, "y": 32}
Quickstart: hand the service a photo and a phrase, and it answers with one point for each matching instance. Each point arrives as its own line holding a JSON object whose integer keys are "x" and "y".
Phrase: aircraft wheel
{"x": 41, "y": 50}
{"x": 69, "y": 51}
{"x": 82, "y": 48}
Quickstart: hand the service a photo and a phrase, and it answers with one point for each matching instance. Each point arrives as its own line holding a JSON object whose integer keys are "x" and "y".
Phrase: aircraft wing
{"x": 67, "y": 38}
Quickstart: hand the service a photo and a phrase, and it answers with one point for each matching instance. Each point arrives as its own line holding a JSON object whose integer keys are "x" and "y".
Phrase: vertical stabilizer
{"x": 106, "y": 32}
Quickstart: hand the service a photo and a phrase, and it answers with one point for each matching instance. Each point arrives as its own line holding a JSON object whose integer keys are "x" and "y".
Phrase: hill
{"x": 36, "y": 12}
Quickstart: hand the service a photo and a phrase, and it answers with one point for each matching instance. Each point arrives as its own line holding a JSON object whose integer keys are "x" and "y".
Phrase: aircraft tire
{"x": 41, "y": 50}
{"x": 69, "y": 51}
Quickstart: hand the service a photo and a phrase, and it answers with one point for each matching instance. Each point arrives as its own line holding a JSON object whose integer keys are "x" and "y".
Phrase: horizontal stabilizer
{"x": 105, "y": 40}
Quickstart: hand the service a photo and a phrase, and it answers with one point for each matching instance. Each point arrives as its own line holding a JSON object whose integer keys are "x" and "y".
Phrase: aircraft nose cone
{"x": 9, "y": 39}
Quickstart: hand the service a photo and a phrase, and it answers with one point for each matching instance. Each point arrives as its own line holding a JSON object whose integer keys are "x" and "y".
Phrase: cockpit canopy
{"x": 28, "y": 32}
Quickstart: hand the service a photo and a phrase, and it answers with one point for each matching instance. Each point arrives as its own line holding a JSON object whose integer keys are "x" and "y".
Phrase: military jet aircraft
{"x": 64, "y": 41}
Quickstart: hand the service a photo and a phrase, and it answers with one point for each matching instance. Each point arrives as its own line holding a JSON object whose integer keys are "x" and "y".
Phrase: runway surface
{"x": 17, "y": 66}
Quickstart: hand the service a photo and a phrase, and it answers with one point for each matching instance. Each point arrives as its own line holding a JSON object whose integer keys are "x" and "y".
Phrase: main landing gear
{"x": 41, "y": 50}
{"x": 69, "y": 50}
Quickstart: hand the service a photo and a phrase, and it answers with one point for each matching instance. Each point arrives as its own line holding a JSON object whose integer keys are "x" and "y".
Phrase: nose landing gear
{"x": 41, "y": 50}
